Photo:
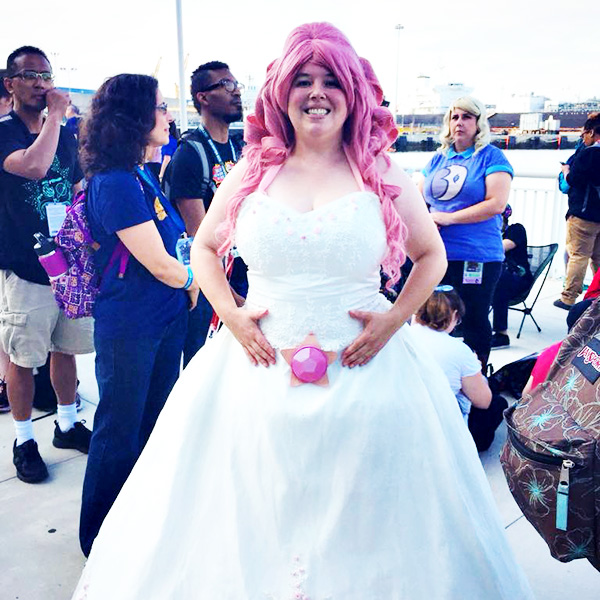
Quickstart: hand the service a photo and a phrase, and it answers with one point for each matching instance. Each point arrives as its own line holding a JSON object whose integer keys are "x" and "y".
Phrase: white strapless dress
{"x": 250, "y": 489}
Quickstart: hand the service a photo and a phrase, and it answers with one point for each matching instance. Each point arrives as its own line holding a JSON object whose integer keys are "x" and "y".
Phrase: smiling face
{"x": 159, "y": 136}
{"x": 29, "y": 95}
{"x": 463, "y": 129}
{"x": 317, "y": 106}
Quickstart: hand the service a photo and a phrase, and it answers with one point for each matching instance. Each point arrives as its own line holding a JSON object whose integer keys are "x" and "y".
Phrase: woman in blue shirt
{"x": 466, "y": 185}
{"x": 141, "y": 311}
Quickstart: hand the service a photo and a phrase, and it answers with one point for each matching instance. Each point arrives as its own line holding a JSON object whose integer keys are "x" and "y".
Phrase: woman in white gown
{"x": 362, "y": 486}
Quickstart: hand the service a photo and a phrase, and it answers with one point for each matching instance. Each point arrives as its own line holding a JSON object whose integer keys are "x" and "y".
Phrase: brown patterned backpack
{"x": 551, "y": 458}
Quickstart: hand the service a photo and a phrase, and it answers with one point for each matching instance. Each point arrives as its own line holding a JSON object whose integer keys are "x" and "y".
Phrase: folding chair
{"x": 540, "y": 259}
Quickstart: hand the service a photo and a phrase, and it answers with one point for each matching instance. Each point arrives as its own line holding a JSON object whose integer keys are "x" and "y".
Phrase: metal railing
{"x": 540, "y": 206}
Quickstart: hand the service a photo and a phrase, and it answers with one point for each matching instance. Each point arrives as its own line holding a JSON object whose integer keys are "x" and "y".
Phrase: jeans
{"x": 135, "y": 376}
{"x": 197, "y": 329}
{"x": 478, "y": 299}
{"x": 510, "y": 284}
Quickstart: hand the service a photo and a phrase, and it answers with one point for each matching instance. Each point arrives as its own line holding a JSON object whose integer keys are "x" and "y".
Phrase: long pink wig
{"x": 368, "y": 131}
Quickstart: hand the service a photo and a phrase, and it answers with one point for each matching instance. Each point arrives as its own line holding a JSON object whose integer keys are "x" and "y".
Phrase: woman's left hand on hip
{"x": 378, "y": 328}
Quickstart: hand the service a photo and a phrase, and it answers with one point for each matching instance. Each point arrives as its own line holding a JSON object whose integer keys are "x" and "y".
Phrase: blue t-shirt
{"x": 169, "y": 149}
{"x": 138, "y": 304}
{"x": 455, "y": 181}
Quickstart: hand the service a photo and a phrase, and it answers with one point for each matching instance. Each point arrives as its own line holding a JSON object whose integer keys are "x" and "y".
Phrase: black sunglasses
{"x": 229, "y": 85}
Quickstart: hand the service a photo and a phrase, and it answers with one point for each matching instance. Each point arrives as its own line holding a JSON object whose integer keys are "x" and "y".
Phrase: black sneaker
{"x": 30, "y": 466}
{"x": 4, "y": 405}
{"x": 560, "y": 304}
{"x": 500, "y": 340}
{"x": 77, "y": 438}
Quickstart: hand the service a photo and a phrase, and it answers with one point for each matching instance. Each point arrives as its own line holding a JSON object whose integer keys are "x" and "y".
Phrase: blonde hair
{"x": 477, "y": 109}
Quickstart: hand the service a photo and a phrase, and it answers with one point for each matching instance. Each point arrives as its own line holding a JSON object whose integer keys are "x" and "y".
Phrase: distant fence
{"x": 423, "y": 142}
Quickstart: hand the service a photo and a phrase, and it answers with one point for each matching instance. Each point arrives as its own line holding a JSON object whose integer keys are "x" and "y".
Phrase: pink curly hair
{"x": 368, "y": 131}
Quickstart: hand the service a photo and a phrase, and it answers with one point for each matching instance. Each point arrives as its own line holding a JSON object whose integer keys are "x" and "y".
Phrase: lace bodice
{"x": 310, "y": 269}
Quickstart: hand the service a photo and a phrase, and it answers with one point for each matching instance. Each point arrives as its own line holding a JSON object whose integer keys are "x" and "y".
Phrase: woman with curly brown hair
{"x": 141, "y": 311}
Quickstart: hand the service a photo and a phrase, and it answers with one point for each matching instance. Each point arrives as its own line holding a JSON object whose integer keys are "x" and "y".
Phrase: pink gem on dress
{"x": 309, "y": 364}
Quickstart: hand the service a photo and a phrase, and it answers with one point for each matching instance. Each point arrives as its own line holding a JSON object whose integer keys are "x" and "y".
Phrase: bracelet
{"x": 190, "y": 278}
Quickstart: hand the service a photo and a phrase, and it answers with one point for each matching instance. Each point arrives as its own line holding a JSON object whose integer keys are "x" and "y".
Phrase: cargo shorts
{"x": 31, "y": 324}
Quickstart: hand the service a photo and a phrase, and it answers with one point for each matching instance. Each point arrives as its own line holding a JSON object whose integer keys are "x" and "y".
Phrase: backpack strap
{"x": 122, "y": 254}
{"x": 201, "y": 151}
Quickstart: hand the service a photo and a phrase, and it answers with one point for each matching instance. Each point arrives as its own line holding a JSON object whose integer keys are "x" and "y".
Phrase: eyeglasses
{"x": 229, "y": 85}
{"x": 163, "y": 107}
{"x": 443, "y": 288}
{"x": 29, "y": 75}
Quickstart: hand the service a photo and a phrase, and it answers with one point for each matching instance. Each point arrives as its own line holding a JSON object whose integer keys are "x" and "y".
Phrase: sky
{"x": 495, "y": 48}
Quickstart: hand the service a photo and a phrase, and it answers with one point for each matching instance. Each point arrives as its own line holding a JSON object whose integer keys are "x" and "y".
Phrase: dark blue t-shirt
{"x": 138, "y": 304}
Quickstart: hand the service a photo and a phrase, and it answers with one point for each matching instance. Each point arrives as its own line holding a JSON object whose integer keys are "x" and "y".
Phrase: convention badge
{"x": 55, "y": 213}
{"x": 472, "y": 272}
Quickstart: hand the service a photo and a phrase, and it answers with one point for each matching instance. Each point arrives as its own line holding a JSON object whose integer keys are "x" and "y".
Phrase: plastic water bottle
{"x": 50, "y": 257}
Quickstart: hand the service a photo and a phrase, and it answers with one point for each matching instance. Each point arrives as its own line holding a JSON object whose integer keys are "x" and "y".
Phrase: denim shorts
{"x": 31, "y": 324}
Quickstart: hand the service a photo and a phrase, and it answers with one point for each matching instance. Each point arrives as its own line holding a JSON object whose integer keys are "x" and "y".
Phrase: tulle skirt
{"x": 250, "y": 489}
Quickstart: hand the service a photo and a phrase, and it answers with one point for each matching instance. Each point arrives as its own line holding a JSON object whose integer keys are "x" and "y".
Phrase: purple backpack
{"x": 76, "y": 290}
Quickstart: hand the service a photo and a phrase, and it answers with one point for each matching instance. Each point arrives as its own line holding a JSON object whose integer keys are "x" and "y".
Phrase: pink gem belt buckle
{"x": 308, "y": 362}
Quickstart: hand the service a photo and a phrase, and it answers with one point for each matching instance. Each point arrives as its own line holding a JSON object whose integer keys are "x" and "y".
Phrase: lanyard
{"x": 149, "y": 180}
{"x": 214, "y": 148}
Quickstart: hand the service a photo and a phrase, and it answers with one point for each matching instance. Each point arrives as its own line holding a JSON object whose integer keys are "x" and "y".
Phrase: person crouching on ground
{"x": 432, "y": 325}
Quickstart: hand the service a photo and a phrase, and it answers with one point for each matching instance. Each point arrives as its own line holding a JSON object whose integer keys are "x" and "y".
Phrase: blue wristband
{"x": 190, "y": 278}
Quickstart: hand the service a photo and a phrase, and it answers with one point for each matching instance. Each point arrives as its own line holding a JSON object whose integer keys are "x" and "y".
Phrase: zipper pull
{"x": 562, "y": 495}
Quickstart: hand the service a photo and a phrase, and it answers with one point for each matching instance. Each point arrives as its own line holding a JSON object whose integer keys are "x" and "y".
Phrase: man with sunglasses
{"x": 201, "y": 162}
{"x": 39, "y": 174}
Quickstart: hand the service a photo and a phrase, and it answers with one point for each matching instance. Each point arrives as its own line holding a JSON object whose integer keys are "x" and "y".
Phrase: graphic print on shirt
{"x": 159, "y": 209}
{"x": 54, "y": 188}
{"x": 220, "y": 171}
{"x": 448, "y": 182}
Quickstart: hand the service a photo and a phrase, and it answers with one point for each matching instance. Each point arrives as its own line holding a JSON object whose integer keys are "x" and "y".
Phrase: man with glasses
{"x": 39, "y": 174}
{"x": 583, "y": 215}
{"x": 201, "y": 162}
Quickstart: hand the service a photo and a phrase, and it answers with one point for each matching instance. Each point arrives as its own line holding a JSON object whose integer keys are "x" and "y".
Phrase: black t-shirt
{"x": 23, "y": 201}
{"x": 517, "y": 257}
{"x": 186, "y": 178}
{"x": 185, "y": 174}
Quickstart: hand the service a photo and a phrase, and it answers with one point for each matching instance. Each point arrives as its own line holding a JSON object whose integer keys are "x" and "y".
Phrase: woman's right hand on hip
{"x": 244, "y": 326}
